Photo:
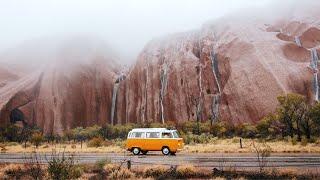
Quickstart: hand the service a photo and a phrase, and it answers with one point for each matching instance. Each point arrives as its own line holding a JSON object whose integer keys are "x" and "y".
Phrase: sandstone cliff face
{"x": 232, "y": 70}
{"x": 72, "y": 90}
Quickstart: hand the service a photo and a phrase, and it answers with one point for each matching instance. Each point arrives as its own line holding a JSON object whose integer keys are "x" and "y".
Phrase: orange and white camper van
{"x": 153, "y": 139}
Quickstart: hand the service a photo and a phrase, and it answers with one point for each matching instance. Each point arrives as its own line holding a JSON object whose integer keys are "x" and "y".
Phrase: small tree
{"x": 262, "y": 151}
{"x": 11, "y": 132}
{"x": 25, "y": 135}
{"x": 292, "y": 112}
{"x": 93, "y": 131}
{"x": 80, "y": 134}
{"x": 37, "y": 138}
{"x": 314, "y": 115}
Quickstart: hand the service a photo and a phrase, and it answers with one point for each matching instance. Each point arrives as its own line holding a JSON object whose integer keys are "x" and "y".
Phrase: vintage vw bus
{"x": 154, "y": 139}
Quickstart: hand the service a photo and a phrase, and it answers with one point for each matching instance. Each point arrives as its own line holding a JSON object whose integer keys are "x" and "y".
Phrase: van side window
{"x": 137, "y": 135}
{"x": 153, "y": 135}
{"x": 167, "y": 135}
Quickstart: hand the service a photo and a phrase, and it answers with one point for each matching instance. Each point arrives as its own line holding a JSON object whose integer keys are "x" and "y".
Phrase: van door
{"x": 168, "y": 140}
{"x": 152, "y": 141}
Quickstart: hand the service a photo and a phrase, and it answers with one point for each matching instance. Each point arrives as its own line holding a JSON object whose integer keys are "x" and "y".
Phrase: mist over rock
{"x": 72, "y": 87}
{"x": 231, "y": 69}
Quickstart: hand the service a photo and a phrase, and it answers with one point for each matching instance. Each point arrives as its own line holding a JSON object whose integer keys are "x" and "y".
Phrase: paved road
{"x": 199, "y": 160}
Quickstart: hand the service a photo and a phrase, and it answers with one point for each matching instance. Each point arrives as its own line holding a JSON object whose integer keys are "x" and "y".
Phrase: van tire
{"x": 165, "y": 151}
{"x": 136, "y": 151}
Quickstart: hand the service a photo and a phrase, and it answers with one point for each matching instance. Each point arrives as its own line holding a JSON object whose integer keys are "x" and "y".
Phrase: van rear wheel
{"x": 165, "y": 151}
{"x": 136, "y": 151}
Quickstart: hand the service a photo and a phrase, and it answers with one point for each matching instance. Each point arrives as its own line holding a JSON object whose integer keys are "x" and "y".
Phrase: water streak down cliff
{"x": 314, "y": 66}
{"x": 228, "y": 70}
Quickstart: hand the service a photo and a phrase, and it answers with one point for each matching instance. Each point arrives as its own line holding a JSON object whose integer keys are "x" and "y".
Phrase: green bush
{"x": 96, "y": 142}
{"x": 63, "y": 168}
{"x": 37, "y": 139}
{"x": 304, "y": 141}
{"x": 294, "y": 140}
{"x": 190, "y": 138}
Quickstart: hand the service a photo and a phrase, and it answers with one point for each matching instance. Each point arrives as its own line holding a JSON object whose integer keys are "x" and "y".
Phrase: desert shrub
{"x": 37, "y": 139}
{"x": 219, "y": 129}
{"x": 246, "y": 130}
{"x": 96, "y": 142}
{"x": 13, "y": 171}
{"x": 73, "y": 146}
{"x": 118, "y": 131}
{"x": 3, "y": 147}
{"x": 93, "y": 131}
{"x": 79, "y": 134}
{"x": 122, "y": 173}
{"x": 203, "y": 138}
{"x": 304, "y": 141}
{"x": 155, "y": 171}
{"x": 34, "y": 168}
{"x": 262, "y": 151}
{"x": 268, "y": 127}
{"x": 109, "y": 168}
{"x": 190, "y": 127}
{"x": 186, "y": 171}
{"x": 63, "y": 168}
{"x": 100, "y": 164}
{"x": 11, "y": 133}
{"x": 117, "y": 142}
{"x": 294, "y": 140}
{"x": 26, "y": 171}
{"x": 109, "y": 143}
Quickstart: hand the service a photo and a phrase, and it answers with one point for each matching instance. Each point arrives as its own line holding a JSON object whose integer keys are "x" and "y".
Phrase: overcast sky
{"x": 127, "y": 25}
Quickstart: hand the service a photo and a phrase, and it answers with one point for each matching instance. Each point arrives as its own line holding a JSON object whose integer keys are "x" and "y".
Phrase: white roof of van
{"x": 149, "y": 129}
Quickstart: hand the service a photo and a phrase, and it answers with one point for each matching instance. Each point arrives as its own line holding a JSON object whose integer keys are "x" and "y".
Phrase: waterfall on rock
{"x": 314, "y": 66}
{"x": 216, "y": 97}
{"x": 145, "y": 104}
{"x": 163, "y": 87}
{"x": 199, "y": 105}
{"x": 297, "y": 40}
{"x": 114, "y": 96}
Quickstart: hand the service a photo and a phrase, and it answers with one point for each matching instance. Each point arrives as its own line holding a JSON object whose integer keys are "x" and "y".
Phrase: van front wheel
{"x": 136, "y": 151}
{"x": 165, "y": 151}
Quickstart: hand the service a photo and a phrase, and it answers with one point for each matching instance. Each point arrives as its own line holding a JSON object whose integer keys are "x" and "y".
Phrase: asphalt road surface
{"x": 208, "y": 160}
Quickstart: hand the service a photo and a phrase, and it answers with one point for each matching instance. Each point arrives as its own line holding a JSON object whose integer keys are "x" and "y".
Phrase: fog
{"x": 126, "y": 25}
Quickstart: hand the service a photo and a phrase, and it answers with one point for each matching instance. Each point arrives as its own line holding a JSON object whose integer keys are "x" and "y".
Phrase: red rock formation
{"x": 254, "y": 67}
{"x": 231, "y": 70}
{"x": 74, "y": 90}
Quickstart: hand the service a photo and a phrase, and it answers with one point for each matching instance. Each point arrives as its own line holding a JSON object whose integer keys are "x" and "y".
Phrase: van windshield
{"x": 175, "y": 134}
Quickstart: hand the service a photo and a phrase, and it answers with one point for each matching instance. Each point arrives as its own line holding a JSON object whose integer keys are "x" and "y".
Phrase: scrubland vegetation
{"x": 294, "y": 127}
{"x": 64, "y": 168}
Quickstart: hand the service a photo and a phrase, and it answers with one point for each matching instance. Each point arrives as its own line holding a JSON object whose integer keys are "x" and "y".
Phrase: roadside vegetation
{"x": 64, "y": 168}
{"x": 294, "y": 127}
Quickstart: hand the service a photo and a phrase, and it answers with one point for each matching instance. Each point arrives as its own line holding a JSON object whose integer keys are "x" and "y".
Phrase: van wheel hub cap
{"x": 166, "y": 151}
{"x": 136, "y": 150}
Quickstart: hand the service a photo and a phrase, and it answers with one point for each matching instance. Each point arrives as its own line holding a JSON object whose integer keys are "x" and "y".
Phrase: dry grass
{"x": 114, "y": 171}
{"x": 233, "y": 146}
{"x": 216, "y": 146}
{"x": 72, "y": 148}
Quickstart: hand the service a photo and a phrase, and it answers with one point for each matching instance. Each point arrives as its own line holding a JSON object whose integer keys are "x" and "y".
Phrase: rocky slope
{"x": 232, "y": 69}
{"x": 73, "y": 89}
